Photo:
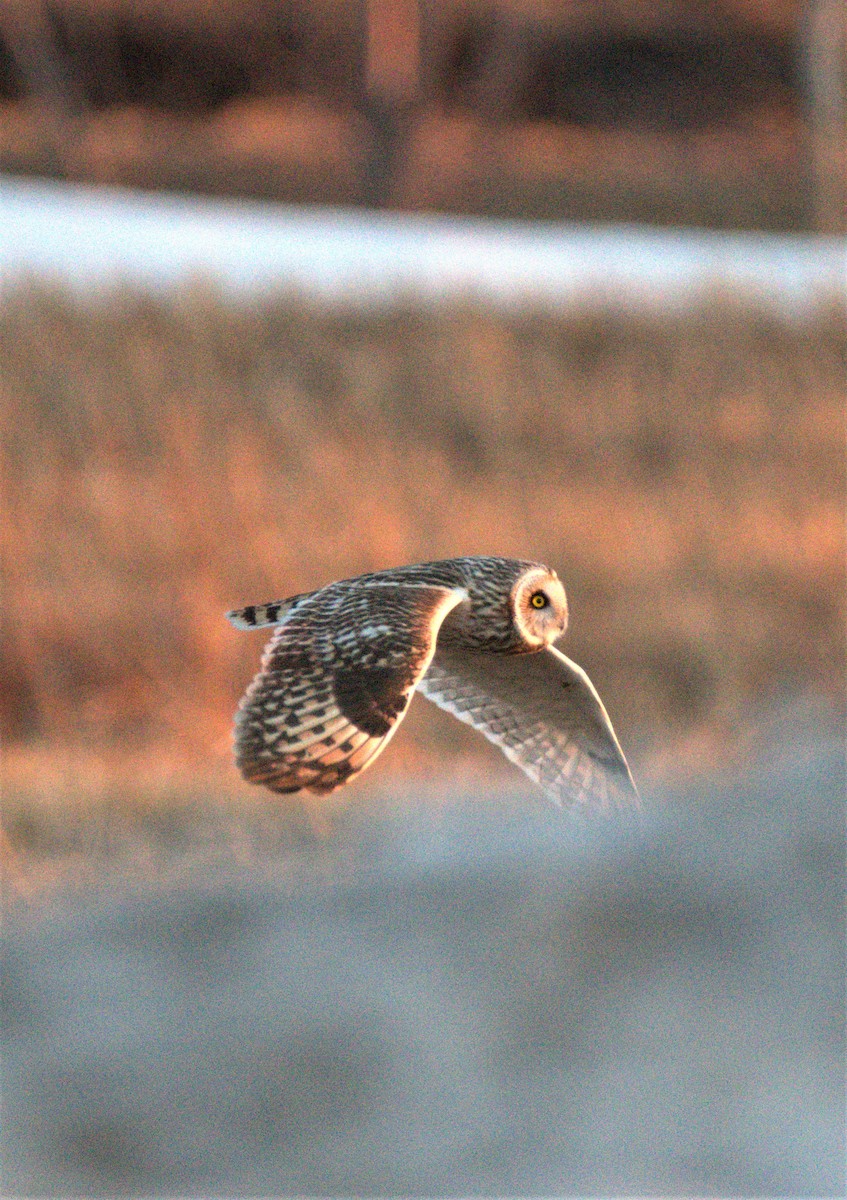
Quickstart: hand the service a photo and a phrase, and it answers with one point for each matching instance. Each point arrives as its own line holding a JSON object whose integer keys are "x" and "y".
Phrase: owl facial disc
{"x": 540, "y": 607}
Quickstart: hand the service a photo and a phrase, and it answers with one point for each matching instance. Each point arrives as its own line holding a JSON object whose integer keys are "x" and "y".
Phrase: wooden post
{"x": 392, "y": 86}
{"x": 824, "y": 55}
{"x": 29, "y": 36}
{"x": 393, "y": 54}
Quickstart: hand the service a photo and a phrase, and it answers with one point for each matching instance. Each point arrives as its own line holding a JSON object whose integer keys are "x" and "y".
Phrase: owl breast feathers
{"x": 474, "y": 635}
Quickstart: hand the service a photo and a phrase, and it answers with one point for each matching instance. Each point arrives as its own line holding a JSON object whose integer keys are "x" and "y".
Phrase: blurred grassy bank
{"x": 167, "y": 459}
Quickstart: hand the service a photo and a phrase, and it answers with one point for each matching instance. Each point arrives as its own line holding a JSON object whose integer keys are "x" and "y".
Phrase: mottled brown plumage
{"x": 474, "y": 635}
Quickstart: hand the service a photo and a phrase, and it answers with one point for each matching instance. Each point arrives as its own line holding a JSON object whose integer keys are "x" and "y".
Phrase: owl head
{"x": 540, "y": 607}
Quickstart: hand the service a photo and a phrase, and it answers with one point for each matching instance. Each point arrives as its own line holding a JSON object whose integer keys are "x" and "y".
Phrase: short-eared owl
{"x": 474, "y": 635}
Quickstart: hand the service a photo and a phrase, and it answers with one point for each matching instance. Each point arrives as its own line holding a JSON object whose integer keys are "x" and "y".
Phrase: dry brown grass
{"x": 167, "y": 459}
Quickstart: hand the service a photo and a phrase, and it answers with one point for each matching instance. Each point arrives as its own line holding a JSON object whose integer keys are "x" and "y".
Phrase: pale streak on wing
{"x": 290, "y": 731}
{"x": 543, "y": 712}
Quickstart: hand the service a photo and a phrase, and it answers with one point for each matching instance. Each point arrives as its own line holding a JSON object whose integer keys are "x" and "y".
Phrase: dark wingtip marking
{"x": 248, "y": 614}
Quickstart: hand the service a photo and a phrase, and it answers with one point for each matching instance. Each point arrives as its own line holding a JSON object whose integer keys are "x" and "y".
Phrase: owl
{"x": 474, "y": 635}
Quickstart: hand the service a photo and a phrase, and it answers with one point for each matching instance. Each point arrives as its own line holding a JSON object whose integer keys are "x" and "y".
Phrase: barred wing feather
{"x": 335, "y": 681}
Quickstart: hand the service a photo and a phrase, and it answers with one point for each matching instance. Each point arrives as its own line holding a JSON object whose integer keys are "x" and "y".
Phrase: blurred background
{"x": 725, "y": 114}
{"x": 292, "y": 291}
{"x": 210, "y": 403}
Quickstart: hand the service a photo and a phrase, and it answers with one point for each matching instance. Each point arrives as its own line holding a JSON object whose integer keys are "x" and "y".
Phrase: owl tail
{"x": 255, "y": 616}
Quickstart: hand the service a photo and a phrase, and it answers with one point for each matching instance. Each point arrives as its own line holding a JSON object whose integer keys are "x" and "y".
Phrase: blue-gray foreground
{"x": 486, "y": 1000}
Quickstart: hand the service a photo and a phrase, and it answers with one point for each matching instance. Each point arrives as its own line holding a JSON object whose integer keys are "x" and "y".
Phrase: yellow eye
{"x": 538, "y": 600}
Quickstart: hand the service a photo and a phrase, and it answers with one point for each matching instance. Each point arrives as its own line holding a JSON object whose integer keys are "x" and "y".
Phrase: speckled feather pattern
{"x": 343, "y": 662}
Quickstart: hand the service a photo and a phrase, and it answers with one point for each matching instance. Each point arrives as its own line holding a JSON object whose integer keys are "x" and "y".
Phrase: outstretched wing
{"x": 335, "y": 681}
{"x": 543, "y": 712}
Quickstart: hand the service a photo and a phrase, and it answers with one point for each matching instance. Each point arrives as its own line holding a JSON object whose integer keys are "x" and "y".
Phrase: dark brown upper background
{"x": 725, "y": 113}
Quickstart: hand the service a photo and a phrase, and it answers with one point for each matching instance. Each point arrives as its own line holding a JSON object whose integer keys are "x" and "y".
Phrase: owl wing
{"x": 543, "y": 712}
{"x": 335, "y": 682}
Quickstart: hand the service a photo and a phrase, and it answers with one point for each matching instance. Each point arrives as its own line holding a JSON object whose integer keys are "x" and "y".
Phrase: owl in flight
{"x": 474, "y": 635}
